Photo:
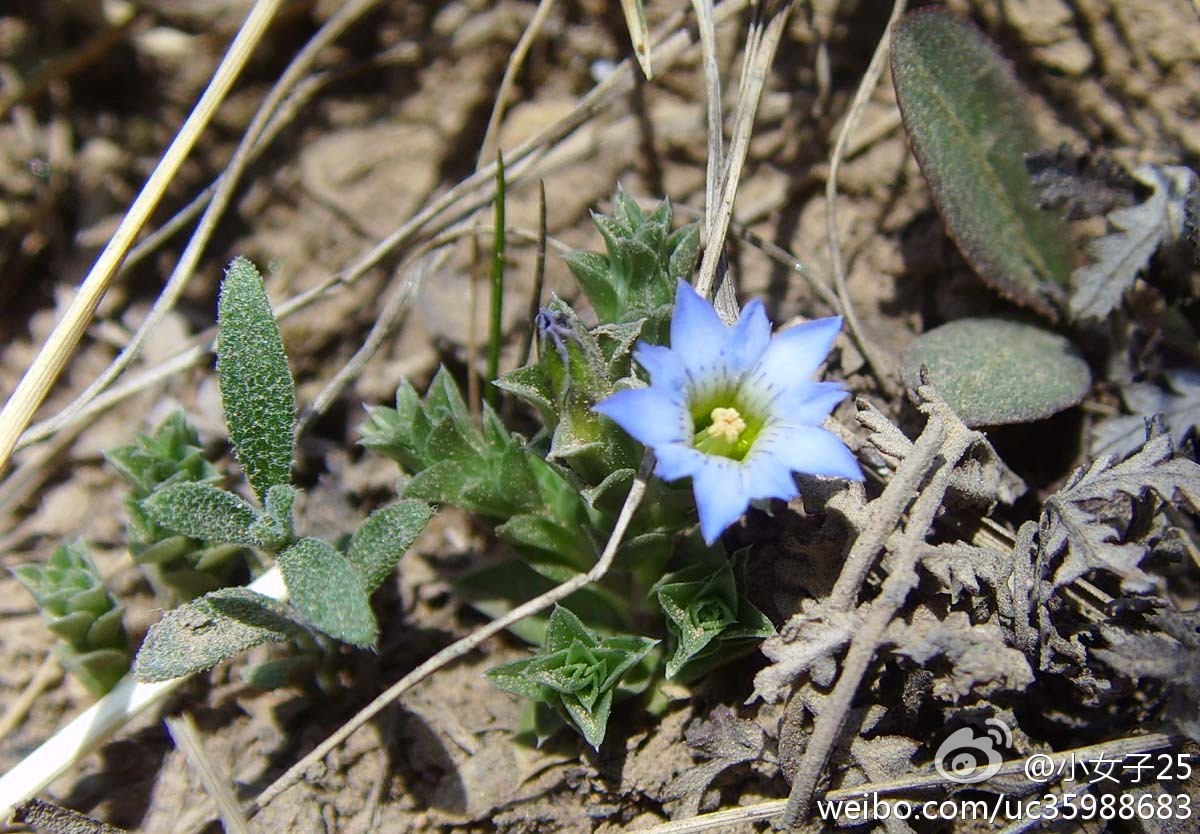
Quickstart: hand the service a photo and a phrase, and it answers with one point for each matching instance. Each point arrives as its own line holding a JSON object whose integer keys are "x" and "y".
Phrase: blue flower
{"x": 734, "y": 408}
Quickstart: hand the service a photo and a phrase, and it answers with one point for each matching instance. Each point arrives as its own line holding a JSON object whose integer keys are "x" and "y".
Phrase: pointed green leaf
{"x": 383, "y": 538}
{"x": 204, "y": 512}
{"x": 256, "y": 386}
{"x": 209, "y": 630}
{"x": 591, "y": 270}
{"x": 994, "y": 372}
{"x": 326, "y": 589}
{"x": 970, "y": 131}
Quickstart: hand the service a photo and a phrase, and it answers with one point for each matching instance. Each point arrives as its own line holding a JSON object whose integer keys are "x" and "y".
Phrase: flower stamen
{"x": 727, "y": 424}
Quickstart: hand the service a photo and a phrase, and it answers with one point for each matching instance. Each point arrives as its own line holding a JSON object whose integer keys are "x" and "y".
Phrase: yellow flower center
{"x": 727, "y": 424}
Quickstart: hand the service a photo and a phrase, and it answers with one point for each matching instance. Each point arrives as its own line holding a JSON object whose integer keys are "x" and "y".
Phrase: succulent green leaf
{"x": 578, "y": 672}
{"x": 200, "y": 634}
{"x": 706, "y": 612}
{"x": 203, "y": 511}
{"x": 256, "y": 385}
{"x": 994, "y": 372}
{"x": 970, "y": 132}
{"x": 326, "y": 589}
{"x": 383, "y": 538}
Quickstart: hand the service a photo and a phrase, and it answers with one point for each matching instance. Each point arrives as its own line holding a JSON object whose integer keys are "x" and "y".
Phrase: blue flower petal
{"x": 677, "y": 460}
{"x": 768, "y": 477}
{"x": 663, "y": 365}
{"x": 651, "y": 416}
{"x": 808, "y": 403}
{"x": 750, "y": 337}
{"x": 796, "y": 353}
{"x": 698, "y": 336}
{"x": 808, "y": 449}
{"x": 720, "y": 496}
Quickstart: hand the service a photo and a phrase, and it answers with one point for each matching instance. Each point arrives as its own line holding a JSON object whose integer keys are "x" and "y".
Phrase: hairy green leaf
{"x": 202, "y": 633}
{"x": 203, "y": 511}
{"x": 326, "y": 589}
{"x": 383, "y": 538}
{"x": 994, "y": 372}
{"x": 970, "y": 131}
{"x": 256, "y": 386}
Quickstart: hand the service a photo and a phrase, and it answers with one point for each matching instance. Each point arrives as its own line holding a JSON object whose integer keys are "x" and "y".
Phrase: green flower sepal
{"x": 709, "y": 618}
{"x": 577, "y": 368}
{"x": 578, "y": 673}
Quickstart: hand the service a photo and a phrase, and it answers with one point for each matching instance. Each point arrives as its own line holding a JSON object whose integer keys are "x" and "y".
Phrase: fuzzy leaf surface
{"x": 256, "y": 385}
{"x": 383, "y": 538}
{"x": 970, "y": 132}
{"x": 203, "y": 511}
{"x": 202, "y": 633}
{"x": 995, "y": 372}
{"x": 326, "y": 589}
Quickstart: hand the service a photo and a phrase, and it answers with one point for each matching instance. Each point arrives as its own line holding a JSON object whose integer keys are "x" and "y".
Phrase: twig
{"x": 639, "y": 36}
{"x": 225, "y": 187}
{"x": 885, "y": 514}
{"x": 408, "y": 282}
{"x": 46, "y": 674}
{"x": 489, "y": 145}
{"x": 469, "y": 643}
{"x": 900, "y": 581}
{"x": 865, "y": 88}
{"x": 760, "y": 55}
{"x": 61, "y": 343}
{"x": 187, "y": 738}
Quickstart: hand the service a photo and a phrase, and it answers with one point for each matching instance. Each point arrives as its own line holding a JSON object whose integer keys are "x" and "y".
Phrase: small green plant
{"x": 83, "y": 613}
{"x": 184, "y": 566}
{"x": 329, "y": 588}
{"x": 730, "y": 407}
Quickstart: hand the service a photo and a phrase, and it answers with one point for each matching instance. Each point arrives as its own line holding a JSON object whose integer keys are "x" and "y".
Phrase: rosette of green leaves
{"x": 578, "y": 674}
{"x": 171, "y": 455}
{"x": 83, "y": 613}
{"x": 634, "y": 279}
{"x": 329, "y": 589}
{"x": 710, "y": 620}
{"x": 490, "y": 472}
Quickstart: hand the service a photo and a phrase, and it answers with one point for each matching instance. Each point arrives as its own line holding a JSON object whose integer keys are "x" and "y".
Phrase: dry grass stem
{"x": 760, "y": 53}
{"x": 187, "y": 739}
{"x": 61, "y": 344}
{"x": 882, "y": 372}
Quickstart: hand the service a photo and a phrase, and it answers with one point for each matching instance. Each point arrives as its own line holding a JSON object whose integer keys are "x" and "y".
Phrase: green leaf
{"x": 383, "y": 538}
{"x": 202, "y": 633}
{"x": 326, "y": 589}
{"x": 256, "y": 386}
{"x": 204, "y": 512}
{"x": 994, "y": 372}
{"x": 497, "y": 589}
{"x": 970, "y": 131}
